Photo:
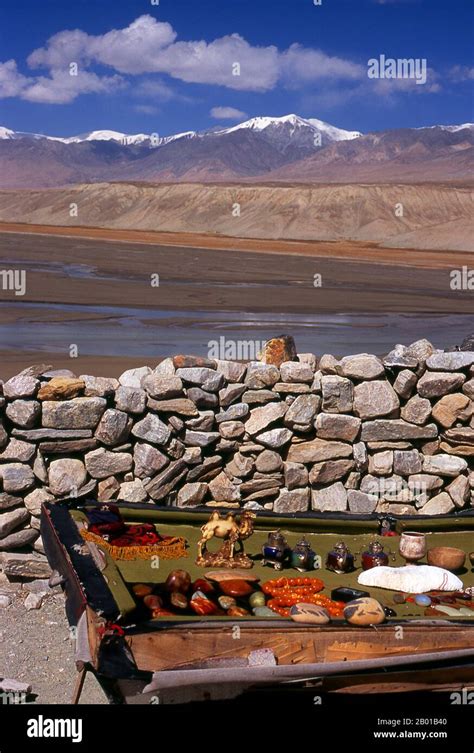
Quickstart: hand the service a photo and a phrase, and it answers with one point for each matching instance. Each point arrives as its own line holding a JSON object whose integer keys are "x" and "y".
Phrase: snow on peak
{"x": 295, "y": 124}
{"x": 6, "y": 133}
{"x": 121, "y": 138}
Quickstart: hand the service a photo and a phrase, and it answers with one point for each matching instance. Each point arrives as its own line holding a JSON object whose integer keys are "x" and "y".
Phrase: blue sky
{"x": 167, "y": 68}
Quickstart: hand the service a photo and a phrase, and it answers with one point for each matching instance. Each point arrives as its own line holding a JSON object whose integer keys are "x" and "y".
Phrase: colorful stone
{"x": 399, "y": 598}
{"x": 226, "y": 602}
{"x": 257, "y": 599}
{"x": 178, "y": 580}
{"x": 201, "y": 604}
{"x": 141, "y": 589}
{"x": 178, "y": 600}
{"x": 235, "y": 588}
{"x": 310, "y": 614}
{"x": 264, "y": 612}
{"x": 364, "y": 611}
{"x": 422, "y": 600}
{"x": 152, "y": 601}
{"x": 238, "y": 612}
{"x": 203, "y": 585}
{"x": 220, "y": 575}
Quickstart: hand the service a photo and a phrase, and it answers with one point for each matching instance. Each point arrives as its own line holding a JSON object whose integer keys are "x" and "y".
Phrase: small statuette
{"x": 275, "y": 551}
{"x": 340, "y": 559}
{"x": 303, "y": 558}
{"x": 374, "y": 556}
{"x": 232, "y": 533}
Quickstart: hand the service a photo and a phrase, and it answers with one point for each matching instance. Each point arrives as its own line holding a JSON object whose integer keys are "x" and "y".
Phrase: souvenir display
{"x": 340, "y": 559}
{"x": 364, "y": 612}
{"x": 235, "y": 588}
{"x": 232, "y": 534}
{"x": 178, "y": 580}
{"x": 310, "y": 614}
{"x": 275, "y": 551}
{"x": 446, "y": 556}
{"x": 303, "y": 558}
{"x": 415, "y": 579}
{"x": 412, "y": 546}
{"x": 374, "y": 556}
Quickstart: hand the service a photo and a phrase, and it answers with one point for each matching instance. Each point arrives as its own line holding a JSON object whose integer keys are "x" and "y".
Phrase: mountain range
{"x": 287, "y": 149}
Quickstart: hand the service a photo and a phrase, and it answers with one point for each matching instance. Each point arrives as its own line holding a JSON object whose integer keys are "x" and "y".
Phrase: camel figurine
{"x": 232, "y": 533}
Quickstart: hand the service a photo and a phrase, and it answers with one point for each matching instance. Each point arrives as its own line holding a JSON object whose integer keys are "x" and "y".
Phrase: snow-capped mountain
{"x": 294, "y": 127}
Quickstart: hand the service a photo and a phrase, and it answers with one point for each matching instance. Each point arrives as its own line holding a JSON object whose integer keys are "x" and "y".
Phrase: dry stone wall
{"x": 356, "y": 435}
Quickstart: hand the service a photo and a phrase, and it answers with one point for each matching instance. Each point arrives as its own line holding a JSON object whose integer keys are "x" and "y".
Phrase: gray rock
{"x": 204, "y": 421}
{"x": 420, "y": 483}
{"x": 192, "y": 455}
{"x": 16, "y": 477}
{"x": 395, "y": 429}
{"x": 130, "y": 399}
{"x": 309, "y": 359}
{"x": 24, "y": 413}
{"x": 318, "y": 450}
{"x": 67, "y": 475}
{"x": 161, "y": 485}
{"x": 17, "y": 450}
{"x": 259, "y": 397}
{"x": 19, "y": 539}
{"x": 417, "y": 410}
{"x": 274, "y": 438}
{"x": 362, "y": 366}
{"x": 25, "y": 565}
{"x": 3, "y": 436}
{"x": 201, "y": 438}
{"x": 7, "y": 501}
{"x": 195, "y": 375}
{"x": 376, "y": 398}
{"x": 292, "y": 500}
{"x": 78, "y": 413}
{"x": 206, "y": 470}
{"x": 223, "y": 490}
{"x": 329, "y": 365}
{"x": 148, "y": 460}
{"x": 302, "y": 411}
{"x": 233, "y": 371}
{"x": 400, "y": 357}
{"x": 230, "y": 393}
{"x": 202, "y": 399}
{"x": 421, "y": 350}
{"x": 438, "y": 383}
{"x": 102, "y": 463}
{"x": 329, "y": 471}
{"x": 459, "y": 491}
{"x": 260, "y": 375}
{"x": 162, "y": 387}
{"x": 108, "y": 488}
{"x": 232, "y": 429}
{"x": 361, "y": 503}
{"x": 337, "y": 426}
{"x": 34, "y": 601}
{"x": 132, "y": 491}
{"x": 268, "y": 462}
{"x": 114, "y": 427}
{"x": 405, "y": 383}
{"x": 233, "y": 413}
{"x": 407, "y": 463}
{"x": 20, "y": 386}
{"x": 263, "y": 417}
{"x": 5, "y": 601}
{"x": 292, "y": 371}
{"x": 439, "y": 505}
{"x": 240, "y": 466}
{"x": 444, "y": 465}
{"x": 214, "y": 383}
{"x": 166, "y": 368}
{"x": 450, "y": 361}
{"x": 330, "y": 499}
{"x": 181, "y": 405}
{"x": 38, "y": 435}
{"x": 249, "y": 488}
{"x": 192, "y": 495}
{"x": 353, "y": 480}
{"x": 99, "y": 386}
{"x": 10, "y": 521}
{"x": 133, "y": 377}
{"x": 296, "y": 475}
{"x": 381, "y": 463}
{"x": 35, "y": 499}
{"x": 337, "y": 394}
{"x": 151, "y": 429}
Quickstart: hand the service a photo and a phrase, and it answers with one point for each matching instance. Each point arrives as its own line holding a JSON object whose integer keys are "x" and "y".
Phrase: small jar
{"x": 303, "y": 557}
{"x": 374, "y": 556}
{"x": 340, "y": 559}
{"x": 275, "y": 551}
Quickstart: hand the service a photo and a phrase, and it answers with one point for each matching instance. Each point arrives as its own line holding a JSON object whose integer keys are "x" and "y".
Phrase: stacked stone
{"x": 359, "y": 435}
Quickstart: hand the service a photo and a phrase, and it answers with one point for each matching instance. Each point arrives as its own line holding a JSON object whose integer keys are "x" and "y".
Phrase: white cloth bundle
{"x": 412, "y": 579}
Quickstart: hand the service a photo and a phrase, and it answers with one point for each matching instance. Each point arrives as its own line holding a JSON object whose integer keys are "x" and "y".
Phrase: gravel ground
{"x": 36, "y": 648}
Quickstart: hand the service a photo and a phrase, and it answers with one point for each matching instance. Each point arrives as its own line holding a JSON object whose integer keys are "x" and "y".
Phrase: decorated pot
{"x": 340, "y": 559}
{"x": 275, "y": 551}
{"x": 303, "y": 558}
{"x": 374, "y": 556}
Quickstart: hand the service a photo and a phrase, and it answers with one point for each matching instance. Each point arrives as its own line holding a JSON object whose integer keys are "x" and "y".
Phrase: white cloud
{"x": 62, "y": 88}
{"x": 12, "y": 82}
{"x": 227, "y": 113}
{"x": 459, "y": 73}
{"x": 146, "y": 109}
{"x": 302, "y": 65}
